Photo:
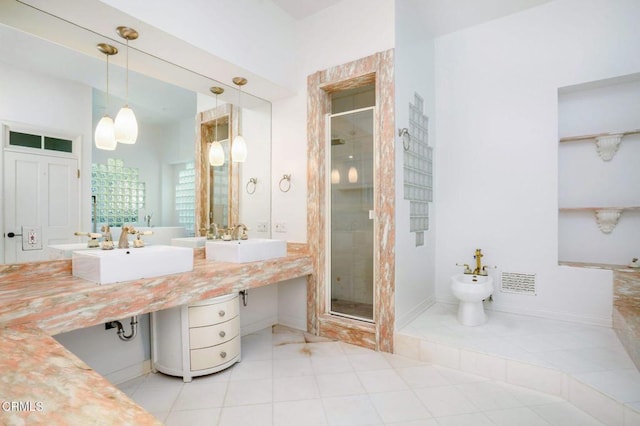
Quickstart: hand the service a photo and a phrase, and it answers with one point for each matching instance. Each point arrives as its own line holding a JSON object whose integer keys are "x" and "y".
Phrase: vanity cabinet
{"x": 197, "y": 339}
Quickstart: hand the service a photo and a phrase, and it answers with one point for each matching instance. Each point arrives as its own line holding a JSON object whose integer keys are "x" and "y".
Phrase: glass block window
{"x": 118, "y": 191}
{"x": 418, "y": 169}
{"x": 186, "y": 198}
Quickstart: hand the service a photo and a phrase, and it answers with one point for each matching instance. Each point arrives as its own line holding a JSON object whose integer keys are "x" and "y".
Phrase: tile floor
{"x": 287, "y": 378}
{"x": 591, "y": 354}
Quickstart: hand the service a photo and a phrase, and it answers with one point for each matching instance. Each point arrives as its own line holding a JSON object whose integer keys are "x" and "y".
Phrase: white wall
{"x": 497, "y": 156}
{"x": 54, "y": 104}
{"x": 252, "y": 34}
{"x": 414, "y": 73}
{"x": 586, "y": 180}
{"x": 350, "y": 30}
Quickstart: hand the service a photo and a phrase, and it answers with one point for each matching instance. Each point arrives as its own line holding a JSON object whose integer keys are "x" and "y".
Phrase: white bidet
{"x": 471, "y": 290}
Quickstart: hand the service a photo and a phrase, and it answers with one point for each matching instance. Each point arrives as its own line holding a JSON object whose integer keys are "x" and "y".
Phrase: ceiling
{"x": 300, "y": 9}
{"x": 438, "y": 17}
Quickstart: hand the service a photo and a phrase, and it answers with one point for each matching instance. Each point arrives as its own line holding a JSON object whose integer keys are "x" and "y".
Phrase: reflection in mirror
{"x": 57, "y": 91}
{"x": 217, "y": 185}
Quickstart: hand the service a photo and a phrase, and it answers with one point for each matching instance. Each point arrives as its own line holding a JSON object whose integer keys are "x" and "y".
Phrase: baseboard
{"x": 130, "y": 372}
{"x": 258, "y": 325}
{"x": 406, "y": 319}
{"x": 293, "y": 322}
{"x": 540, "y": 313}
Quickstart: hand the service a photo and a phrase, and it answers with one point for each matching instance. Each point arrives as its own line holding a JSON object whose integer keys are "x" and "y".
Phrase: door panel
{"x": 40, "y": 191}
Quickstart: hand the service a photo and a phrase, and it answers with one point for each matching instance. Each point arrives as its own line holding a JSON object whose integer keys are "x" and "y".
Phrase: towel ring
{"x": 251, "y": 185}
{"x": 287, "y": 183}
{"x": 406, "y": 138}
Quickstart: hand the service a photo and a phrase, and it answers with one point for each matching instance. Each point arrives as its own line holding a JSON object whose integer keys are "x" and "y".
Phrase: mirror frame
{"x": 205, "y": 123}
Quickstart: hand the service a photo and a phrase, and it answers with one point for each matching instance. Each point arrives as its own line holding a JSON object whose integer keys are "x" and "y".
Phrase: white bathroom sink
{"x": 241, "y": 251}
{"x": 162, "y": 234}
{"x": 191, "y": 242}
{"x": 64, "y": 251}
{"x": 111, "y": 266}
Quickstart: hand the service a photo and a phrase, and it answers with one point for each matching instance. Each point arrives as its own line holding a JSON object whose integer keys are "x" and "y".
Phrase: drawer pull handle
{"x": 223, "y": 354}
{"x": 222, "y": 333}
{"x": 221, "y": 313}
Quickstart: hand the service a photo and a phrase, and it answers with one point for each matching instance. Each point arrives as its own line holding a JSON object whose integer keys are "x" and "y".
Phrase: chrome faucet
{"x": 123, "y": 242}
{"x": 147, "y": 218}
{"x": 213, "y": 232}
{"x": 106, "y": 233}
{"x": 235, "y": 232}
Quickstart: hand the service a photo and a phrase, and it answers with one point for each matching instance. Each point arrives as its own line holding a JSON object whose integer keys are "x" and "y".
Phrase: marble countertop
{"x": 43, "y": 383}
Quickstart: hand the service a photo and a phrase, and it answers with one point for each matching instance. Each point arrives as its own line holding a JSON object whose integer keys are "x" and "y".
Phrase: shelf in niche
{"x": 606, "y": 217}
{"x": 606, "y": 143}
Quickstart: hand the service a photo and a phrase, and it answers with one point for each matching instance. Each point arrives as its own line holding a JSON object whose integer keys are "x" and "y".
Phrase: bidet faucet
{"x": 479, "y": 269}
{"x": 467, "y": 269}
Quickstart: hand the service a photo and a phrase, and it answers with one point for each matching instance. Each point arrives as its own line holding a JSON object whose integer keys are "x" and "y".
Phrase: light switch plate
{"x": 262, "y": 226}
{"x": 281, "y": 226}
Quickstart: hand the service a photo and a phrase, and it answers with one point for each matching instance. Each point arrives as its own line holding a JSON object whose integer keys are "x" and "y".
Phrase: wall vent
{"x": 514, "y": 282}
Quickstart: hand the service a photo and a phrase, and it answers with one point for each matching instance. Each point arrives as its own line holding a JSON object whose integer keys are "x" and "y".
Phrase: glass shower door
{"x": 351, "y": 214}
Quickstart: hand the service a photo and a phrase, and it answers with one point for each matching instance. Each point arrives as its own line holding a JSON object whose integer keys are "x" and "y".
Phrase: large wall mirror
{"x": 57, "y": 92}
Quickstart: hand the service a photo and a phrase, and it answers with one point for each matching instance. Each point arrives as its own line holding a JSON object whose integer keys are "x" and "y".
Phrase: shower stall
{"x": 351, "y": 204}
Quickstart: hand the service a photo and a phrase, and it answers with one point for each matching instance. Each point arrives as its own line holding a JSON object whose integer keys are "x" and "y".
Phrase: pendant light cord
{"x": 107, "y": 83}
{"x": 215, "y": 132}
{"x": 127, "y": 79}
{"x": 239, "y": 115}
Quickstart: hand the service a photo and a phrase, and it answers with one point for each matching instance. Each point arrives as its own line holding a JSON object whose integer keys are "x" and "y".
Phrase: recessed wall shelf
{"x": 606, "y": 217}
{"x": 606, "y": 143}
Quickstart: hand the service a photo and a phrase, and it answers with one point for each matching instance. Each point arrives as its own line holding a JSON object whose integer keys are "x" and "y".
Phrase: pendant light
{"x": 126, "y": 125}
{"x": 239, "y": 145}
{"x": 105, "y": 133}
{"x": 353, "y": 174}
{"x": 216, "y": 153}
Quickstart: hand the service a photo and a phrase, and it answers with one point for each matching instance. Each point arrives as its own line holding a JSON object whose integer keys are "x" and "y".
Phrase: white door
{"x": 41, "y": 202}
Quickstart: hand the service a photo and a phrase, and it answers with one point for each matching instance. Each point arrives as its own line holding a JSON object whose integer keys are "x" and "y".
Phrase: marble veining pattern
{"x": 65, "y": 303}
{"x": 376, "y": 68}
{"x": 626, "y": 310}
{"x": 38, "y": 300}
{"x": 57, "y": 386}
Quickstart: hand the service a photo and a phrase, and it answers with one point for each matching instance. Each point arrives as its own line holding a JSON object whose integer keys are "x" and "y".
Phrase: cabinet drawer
{"x": 204, "y": 358}
{"x": 202, "y": 337}
{"x": 200, "y": 316}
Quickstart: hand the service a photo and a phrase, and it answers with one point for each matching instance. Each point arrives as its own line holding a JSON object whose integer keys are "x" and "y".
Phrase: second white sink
{"x": 242, "y": 251}
{"x": 111, "y": 266}
{"x": 191, "y": 242}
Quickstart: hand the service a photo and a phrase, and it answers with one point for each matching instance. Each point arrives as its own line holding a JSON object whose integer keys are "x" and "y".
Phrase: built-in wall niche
{"x": 598, "y": 196}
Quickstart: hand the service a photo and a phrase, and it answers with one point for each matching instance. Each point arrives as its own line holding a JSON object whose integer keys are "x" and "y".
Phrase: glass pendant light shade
{"x": 126, "y": 126}
{"x": 239, "y": 150}
{"x": 105, "y": 135}
{"x": 216, "y": 154}
{"x": 335, "y": 176}
{"x": 352, "y": 175}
